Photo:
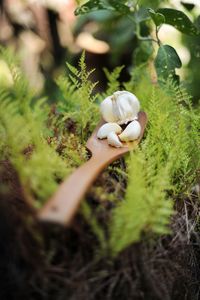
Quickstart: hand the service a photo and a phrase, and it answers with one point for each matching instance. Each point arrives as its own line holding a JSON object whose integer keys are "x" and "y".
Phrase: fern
{"x": 39, "y": 172}
{"x": 146, "y": 206}
{"x": 113, "y": 80}
{"x": 23, "y": 127}
{"x": 79, "y": 100}
{"x": 167, "y": 161}
{"x": 34, "y": 137}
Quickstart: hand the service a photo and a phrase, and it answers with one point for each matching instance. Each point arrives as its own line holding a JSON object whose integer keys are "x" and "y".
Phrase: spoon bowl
{"x": 96, "y": 146}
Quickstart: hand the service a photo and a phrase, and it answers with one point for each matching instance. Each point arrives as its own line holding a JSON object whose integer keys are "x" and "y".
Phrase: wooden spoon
{"x": 65, "y": 202}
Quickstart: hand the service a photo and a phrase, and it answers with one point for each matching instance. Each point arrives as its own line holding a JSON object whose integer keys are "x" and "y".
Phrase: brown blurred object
{"x": 31, "y": 47}
{"x": 85, "y": 40}
{"x": 39, "y": 31}
{"x": 6, "y": 31}
{"x": 42, "y": 24}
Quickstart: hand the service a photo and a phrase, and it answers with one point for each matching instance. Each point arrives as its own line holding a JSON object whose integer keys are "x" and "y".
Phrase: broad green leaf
{"x": 120, "y": 7}
{"x": 158, "y": 18}
{"x": 95, "y": 5}
{"x": 90, "y": 6}
{"x": 167, "y": 60}
{"x": 179, "y": 20}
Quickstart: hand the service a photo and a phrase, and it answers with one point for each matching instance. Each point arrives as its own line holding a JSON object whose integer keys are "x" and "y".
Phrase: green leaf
{"x": 158, "y": 18}
{"x": 90, "y": 6}
{"x": 167, "y": 60}
{"x": 179, "y": 20}
{"x": 95, "y": 5}
{"x": 120, "y": 7}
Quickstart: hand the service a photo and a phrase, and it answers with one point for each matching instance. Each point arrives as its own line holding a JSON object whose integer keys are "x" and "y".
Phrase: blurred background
{"x": 45, "y": 34}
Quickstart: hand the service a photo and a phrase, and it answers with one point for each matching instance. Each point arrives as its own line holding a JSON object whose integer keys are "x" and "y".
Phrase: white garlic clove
{"x": 106, "y": 109}
{"x": 105, "y": 129}
{"x": 113, "y": 140}
{"x": 131, "y": 132}
{"x": 122, "y": 107}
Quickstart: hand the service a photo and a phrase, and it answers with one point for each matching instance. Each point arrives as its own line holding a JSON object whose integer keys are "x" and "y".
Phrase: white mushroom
{"x": 105, "y": 129}
{"x": 113, "y": 140}
{"x": 131, "y": 132}
{"x": 122, "y": 107}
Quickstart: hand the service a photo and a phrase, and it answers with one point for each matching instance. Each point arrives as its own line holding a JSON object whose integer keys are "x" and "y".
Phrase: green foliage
{"x": 167, "y": 60}
{"x": 143, "y": 53}
{"x": 113, "y": 80}
{"x": 24, "y": 144}
{"x": 139, "y": 13}
{"x": 93, "y": 5}
{"x": 78, "y": 98}
{"x": 166, "y": 164}
{"x": 146, "y": 207}
{"x": 34, "y": 136}
{"x": 179, "y": 20}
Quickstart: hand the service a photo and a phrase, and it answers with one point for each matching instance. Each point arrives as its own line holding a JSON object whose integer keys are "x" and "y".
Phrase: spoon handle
{"x": 65, "y": 202}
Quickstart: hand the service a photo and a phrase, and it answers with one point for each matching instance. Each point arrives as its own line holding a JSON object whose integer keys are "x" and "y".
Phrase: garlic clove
{"x": 113, "y": 140}
{"x": 122, "y": 107}
{"x": 106, "y": 109}
{"x": 126, "y": 106}
{"x": 105, "y": 129}
{"x": 131, "y": 132}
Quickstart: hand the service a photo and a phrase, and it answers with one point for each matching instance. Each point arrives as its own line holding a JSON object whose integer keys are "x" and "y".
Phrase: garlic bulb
{"x": 113, "y": 140}
{"x": 122, "y": 107}
{"x": 131, "y": 132}
{"x": 105, "y": 129}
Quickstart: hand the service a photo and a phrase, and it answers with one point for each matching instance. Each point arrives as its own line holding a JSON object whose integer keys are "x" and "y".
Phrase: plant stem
{"x": 157, "y": 37}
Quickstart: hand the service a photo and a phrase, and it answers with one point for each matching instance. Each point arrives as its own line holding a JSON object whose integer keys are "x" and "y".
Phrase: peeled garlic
{"x": 122, "y": 107}
{"x": 131, "y": 132}
{"x": 113, "y": 140}
{"x": 105, "y": 129}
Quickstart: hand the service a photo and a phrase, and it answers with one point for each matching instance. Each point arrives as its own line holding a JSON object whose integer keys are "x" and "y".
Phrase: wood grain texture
{"x": 62, "y": 207}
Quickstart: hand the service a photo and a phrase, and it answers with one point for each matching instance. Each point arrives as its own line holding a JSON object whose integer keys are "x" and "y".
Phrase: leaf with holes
{"x": 120, "y": 7}
{"x": 89, "y": 6}
{"x": 179, "y": 20}
{"x": 167, "y": 60}
{"x": 94, "y": 5}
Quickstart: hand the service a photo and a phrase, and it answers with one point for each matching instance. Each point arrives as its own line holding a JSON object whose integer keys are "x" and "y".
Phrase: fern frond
{"x": 113, "y": 80}
{"x": 167, "y": 161}
{"x": 145, "y": 208}
{"x": 80, "y": 95}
